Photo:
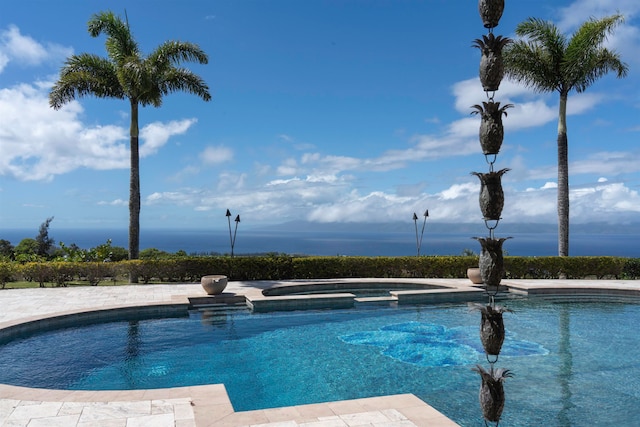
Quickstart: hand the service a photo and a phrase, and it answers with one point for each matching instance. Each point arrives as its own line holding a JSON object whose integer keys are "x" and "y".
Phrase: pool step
{"x": 223, "y": 301}
{"x": 261, "y": 303}
{"x": 376, "y": 300}
{"x": 221, "y": 307}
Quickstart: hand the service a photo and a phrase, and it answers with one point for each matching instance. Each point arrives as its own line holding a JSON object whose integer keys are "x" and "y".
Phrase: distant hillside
{"x": 442, "y": 227}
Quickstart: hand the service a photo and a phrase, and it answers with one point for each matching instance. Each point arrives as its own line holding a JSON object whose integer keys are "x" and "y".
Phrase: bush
{"x": 282, "y": 267}
{"x": 96, "y": 272}
{"x": 7, "y": 271}
{"x": 63, "y": 272}
{"x": 569, "y": 267}
{"x": 631, "y": 269}
{"x": 40, "y": 272}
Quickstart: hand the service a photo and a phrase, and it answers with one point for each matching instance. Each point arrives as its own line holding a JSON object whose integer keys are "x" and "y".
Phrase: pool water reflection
{"x": 575, "y": 364}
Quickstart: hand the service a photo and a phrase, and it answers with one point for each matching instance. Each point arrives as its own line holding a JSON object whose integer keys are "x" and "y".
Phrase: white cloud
{"x": 611, "y": 163}
{"x": 184, "y": 173}
{"x": 21, "y": 47}
{"x": 26, "y": 50}
{"x": 116, "y": 202}
{"x": 580, "y": 11}
{"x": 155, "y": 135}
{"x": 231, "y": 181}
{"x": 179, "y": 198}
{"x": 288, "y": 167}
{"x": 37, "y": 142}
{"x": 459, "y": 190}
{"x": 374, "y": 207}
{"x": 459, "y": 203}
{"x": 276, "y": 182}
{"x": 216, "y": 155}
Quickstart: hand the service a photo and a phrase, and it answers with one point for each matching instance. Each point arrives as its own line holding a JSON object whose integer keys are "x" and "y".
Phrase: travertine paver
{"x": 205, "y": 405}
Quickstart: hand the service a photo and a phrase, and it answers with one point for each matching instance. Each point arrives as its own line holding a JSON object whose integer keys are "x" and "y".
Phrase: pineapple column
{"x": 492, "y": 331}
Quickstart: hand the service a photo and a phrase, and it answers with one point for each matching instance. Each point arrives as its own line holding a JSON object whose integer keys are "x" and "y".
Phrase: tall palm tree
{"x": 546, "y": 61}
{"x": 128, "y": 74}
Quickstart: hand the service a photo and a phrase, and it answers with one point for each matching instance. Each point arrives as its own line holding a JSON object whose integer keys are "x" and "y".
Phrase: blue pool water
{"x": 574, "y": 364}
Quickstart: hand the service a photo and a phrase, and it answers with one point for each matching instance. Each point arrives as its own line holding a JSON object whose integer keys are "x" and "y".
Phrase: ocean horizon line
{"x": 340, "y": 242}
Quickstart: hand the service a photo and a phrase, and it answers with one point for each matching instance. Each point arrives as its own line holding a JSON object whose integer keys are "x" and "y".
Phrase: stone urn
{"x": 473, "y": 273}
{"x": 213, "y": 284}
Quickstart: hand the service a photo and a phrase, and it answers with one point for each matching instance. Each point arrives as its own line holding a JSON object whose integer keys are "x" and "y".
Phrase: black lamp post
{"x": 232, "y": 238}
{"x": 415, "y": 222}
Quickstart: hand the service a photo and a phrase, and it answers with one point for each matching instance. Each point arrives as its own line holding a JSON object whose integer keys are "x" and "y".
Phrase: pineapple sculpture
{"x": 491, "y": 261}
{"x": 491, "y": 200}
{"x": 491, "y": 64}
{"x": 491, "y": 394}
{"x": 492, "y": 330}
{"x": 491, "y": 129}
{"x": 490, "y": 12}
{"x": 491, "y": 194}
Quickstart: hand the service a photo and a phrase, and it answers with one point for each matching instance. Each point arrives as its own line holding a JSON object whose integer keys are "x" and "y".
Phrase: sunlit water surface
{"x": 574, "y": 364}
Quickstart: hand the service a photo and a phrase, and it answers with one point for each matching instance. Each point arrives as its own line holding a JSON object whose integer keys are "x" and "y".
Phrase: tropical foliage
{"x": 546, "y": 60}
{"x": 127, "y": 74}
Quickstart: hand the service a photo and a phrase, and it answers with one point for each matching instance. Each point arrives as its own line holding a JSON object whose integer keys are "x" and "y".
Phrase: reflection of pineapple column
{"x": 492, "y": 331}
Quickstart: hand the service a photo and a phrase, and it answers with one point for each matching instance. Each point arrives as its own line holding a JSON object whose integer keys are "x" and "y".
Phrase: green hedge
{"x": 191, "y": 269}
{"x": 571, "y": 267}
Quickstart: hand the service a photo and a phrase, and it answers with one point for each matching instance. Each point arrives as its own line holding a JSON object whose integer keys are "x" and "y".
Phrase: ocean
{"x": 331, "y": 243}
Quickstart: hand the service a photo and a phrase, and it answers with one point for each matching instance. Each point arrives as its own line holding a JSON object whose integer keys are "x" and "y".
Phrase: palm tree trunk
{"x": 134, "y": 189}
{"x": 563, "y": 179}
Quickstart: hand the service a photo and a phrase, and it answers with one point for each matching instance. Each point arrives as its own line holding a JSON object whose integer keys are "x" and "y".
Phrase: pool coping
{"x": 210, "y": 404}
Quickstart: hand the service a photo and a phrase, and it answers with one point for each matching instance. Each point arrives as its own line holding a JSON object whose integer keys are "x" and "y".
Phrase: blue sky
{"x": 323, "y": 111}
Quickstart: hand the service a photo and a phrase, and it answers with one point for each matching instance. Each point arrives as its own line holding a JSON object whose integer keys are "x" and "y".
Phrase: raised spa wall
{"x": 333, "y": 295}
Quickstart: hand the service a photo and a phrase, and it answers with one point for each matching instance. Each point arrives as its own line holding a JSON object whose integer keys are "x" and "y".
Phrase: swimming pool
{"x": 569, "y": 370}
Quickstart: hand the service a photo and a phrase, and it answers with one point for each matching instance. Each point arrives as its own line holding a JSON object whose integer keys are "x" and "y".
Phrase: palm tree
{"x": 127, "y": 74}
{"x": 545, "y": 60}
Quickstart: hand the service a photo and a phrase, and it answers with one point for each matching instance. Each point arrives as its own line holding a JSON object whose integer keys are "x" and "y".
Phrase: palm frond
{"x": 545, "y": 60}
{"x": 175, "y": 52}
{"x": 182, "y": 79}
{"x": 594, "y": 32}
{"x": 536, "y": 59}
{"x": 543, "y": 33}
{"x": 585, "y": 58}
{"x": 120, "y": 42}
{"x": 83, "y": 75}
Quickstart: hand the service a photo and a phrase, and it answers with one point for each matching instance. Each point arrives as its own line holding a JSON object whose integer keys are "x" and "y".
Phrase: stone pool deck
{"x": 209, "y": 405}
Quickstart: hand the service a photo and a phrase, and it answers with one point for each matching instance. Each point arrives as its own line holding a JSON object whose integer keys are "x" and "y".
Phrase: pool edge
{"x": 210, "y": 404}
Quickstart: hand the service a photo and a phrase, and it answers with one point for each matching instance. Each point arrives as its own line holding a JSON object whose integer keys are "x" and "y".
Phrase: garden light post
{"x": 415, "y": 222}
{"x": 232, "y": 238}
{"x": 424, "y": 223}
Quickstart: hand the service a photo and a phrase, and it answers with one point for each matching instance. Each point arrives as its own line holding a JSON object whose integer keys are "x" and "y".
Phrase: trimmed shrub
{"x": 279, "y": 267}
{"x": 7, "y": 272}
{"x": 631, "y": 269}
{"x": 95, "y": 272}
{"x": 40, "y": 272}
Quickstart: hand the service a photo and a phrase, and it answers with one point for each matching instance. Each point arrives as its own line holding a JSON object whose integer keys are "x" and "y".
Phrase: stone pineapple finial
{"x": 491, "y": 128}
{"x": 491, "y": 63}
{"x": 490, "y": 12}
